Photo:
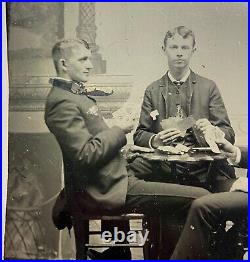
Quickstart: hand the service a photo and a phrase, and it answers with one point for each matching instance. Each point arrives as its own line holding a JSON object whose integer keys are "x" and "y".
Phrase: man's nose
{"x": 179, "y": 54}
{"x": 89, "y": 65}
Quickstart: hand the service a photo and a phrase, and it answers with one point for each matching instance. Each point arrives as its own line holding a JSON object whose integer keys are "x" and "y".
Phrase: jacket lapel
{"x": 163, "y": 86}
{"x": 192, "y": 84}
{"x": 163, "y": 99}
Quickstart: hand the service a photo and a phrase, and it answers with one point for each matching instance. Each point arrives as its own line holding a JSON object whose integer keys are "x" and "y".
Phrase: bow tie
{"x": 178, "y": 83}
{"x": 78, "y": 88}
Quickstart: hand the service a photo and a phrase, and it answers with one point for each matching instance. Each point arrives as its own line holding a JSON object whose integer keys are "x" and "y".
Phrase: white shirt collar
{"x": 184, "y": 78}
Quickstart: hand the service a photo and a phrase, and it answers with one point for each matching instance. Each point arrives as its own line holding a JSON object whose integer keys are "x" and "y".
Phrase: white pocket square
{"x": 154, "y": 114}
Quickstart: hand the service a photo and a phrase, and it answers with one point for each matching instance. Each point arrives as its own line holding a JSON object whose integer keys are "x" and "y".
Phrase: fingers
{"x": 226, "y": 146}
{"x": 170, "y": 135}
{"x": 205, "y": 129}
{"x": 167, "y": 131}
{"x": 221, "y": 141}
{"x": 129, "y": 129}
{"x": 172, "y": 138}
{"x": 227, "y": 154}
{"x": 127, "y": 126}
{"x": 203, "y": 124}
{"x": 230, "y": 155}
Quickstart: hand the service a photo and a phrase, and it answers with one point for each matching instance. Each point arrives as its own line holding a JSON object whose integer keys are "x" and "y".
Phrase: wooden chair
{"x": 82, "y": 234}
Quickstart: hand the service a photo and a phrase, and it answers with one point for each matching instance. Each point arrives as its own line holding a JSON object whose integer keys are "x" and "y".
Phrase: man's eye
{"x": 185, "y": 47}
{"x": 83, "y": 59}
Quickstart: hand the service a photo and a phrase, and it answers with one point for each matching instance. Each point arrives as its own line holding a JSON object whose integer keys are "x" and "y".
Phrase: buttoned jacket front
{"x": 203, "y": 101}
{"x": 93, "y": 163}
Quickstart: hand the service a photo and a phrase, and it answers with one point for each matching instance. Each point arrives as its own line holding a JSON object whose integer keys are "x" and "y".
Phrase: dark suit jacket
{"x": 244, "y": 157}
{"x": 92, "y": 160}
{"x": 204, "y": 101}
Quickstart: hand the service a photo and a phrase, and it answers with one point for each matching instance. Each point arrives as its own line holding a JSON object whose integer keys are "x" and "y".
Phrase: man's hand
{"x": 229, "y": 150}
{"x": 166, "y": 136}
{"x": 203, "y": 125}
{"x": 241, "y": 184}
{"x": 127, "y": 126}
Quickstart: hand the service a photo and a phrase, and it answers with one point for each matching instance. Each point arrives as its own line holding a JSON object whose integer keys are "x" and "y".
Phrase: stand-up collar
{"x": 72, "y": 86}
{"x": 182, "y": 80}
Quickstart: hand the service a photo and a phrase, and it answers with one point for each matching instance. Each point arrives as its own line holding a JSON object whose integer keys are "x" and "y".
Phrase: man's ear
{"x": 63, "y": 64}
{"x": 194, "y": 50}
{"x": 163, "y": 48}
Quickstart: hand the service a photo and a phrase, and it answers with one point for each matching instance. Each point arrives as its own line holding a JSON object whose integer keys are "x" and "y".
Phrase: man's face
{"x": 77, "y": 64}
{"x": 179, "y": 51}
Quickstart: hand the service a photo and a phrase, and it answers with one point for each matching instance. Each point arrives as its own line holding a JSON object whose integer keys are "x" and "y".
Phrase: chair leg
{"x": 81, "y": 230}
{"x": 150, "y": 249}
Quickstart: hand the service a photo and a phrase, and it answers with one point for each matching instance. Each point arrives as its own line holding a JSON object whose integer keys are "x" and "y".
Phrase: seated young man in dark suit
{"x": 207, "y": 212}
{"x": 97, "y": 178}
{"x": 180, "y": 93}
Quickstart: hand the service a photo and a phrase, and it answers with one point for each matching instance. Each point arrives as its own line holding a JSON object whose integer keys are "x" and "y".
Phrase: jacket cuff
{"x": 150, "y": 141}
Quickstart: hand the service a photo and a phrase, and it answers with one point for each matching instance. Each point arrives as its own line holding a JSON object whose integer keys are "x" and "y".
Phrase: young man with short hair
{"x": 180, "y": 93}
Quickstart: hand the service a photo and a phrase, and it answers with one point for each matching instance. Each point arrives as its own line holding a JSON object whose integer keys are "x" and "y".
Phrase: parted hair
{"x": 182, "y": 31}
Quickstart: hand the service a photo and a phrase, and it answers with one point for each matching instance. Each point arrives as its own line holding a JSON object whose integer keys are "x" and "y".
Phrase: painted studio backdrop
{"x": 126, "y": 41}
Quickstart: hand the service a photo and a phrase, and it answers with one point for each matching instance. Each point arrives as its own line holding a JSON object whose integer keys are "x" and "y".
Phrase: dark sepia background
{"x": 126, "y": 40}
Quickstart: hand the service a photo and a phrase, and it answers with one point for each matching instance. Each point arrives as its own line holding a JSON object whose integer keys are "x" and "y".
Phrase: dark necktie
{"x": 179, "y": 109}
{"x": 178, "y": 83}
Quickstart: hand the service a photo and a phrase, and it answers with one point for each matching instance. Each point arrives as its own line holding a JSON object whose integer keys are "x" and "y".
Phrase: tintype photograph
{"x": 127, "y": 130}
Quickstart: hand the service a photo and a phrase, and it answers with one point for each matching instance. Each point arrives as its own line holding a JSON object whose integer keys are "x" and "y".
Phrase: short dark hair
{"x": 182, "y": 31}
{"x": 58, "y": 51}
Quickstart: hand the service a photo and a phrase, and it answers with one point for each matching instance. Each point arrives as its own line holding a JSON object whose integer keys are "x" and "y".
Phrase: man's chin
{"x": 180, "y": 65}
{"x": 82, "y": 80}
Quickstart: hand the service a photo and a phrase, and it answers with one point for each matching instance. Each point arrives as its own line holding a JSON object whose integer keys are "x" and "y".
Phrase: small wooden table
{"x": 190, "y": 157}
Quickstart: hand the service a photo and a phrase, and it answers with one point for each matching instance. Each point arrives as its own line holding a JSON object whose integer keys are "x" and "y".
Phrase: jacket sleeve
{"x": 143, "y": 132}
{"x": 244, "y": 157}
{"x": 66, "y": 123}
{"x": 218, "y": 114}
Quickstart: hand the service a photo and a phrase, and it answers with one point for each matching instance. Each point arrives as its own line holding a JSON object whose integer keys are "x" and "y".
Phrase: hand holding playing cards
{"x": 203, "y": 125}
{"x": 166, "y": 136}
{"x": 127, "y": 125}
{"x": 229, "y": 150}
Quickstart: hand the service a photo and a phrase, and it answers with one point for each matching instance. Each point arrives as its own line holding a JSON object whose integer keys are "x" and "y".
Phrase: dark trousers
{"x": 154, "y": 198}
{"x": 150, "y": 198}
{"x": 205, "y": 215}
{"x": 171, "y": 201}
{"x": 214, "y": 180}
{"x": 207, "y": 175}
